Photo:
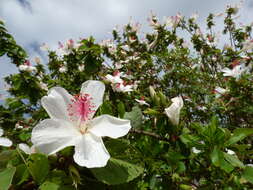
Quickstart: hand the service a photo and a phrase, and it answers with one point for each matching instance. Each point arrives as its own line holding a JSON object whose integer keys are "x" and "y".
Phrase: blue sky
{"x": 33, "y": 22}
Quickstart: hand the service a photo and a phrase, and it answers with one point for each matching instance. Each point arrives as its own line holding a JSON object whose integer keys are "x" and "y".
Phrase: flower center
{"x": 81, "y": 109}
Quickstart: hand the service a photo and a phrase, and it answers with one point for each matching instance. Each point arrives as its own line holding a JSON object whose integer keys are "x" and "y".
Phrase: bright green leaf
{"x": 117, "y": 172}
{"x": 248, "y": 174}
{"x": 6, "y": 177}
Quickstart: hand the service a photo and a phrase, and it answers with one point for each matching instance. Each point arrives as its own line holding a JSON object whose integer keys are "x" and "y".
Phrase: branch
{"x": 147, "y": 133}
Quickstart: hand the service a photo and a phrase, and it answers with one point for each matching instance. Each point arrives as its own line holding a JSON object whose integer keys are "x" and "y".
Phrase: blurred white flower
{"x": 71, "y": 123}
{"x": 142, "y": 102}
{"x": 81, "y": 68}
{"x": 3, "y": 140}
{"x": 63, "y": 69}
{"x": 121, "y": 87}
{"x": 236, "y": 72}
{"x": 27, "y": 67}
{"x": 195, "y": 150}
{"x": 173, "y": 112}
{"x": 231, "y": 152}
{"x": 115, "y": 78}
{"x": 43, "y": 86}
{"x": 26, "y": 149}
{"x": 219, "y": 91}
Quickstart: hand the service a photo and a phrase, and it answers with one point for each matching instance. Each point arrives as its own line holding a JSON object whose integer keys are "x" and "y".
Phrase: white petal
{"x": 25, "y": 148}
{"x": 106, "y": 125}
{"x": 96, "y": 91}
{"x": 173, "y": 112}
{"x": 1, "y": 132}
{"x": 5, "y": 142}
{"x": 91, "y": 152}
{"x": 52, "y": 135}
{"x": 56, "y": 103}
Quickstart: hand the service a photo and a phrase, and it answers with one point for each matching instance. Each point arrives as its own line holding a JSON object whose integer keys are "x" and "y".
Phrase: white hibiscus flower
{"x": 173, "y": 112}
{"x": 71, "y": 124}
{"x": 3, "y": 140}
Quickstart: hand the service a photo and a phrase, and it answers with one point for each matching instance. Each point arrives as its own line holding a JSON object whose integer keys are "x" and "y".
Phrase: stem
{"x": 22, "y": 157}
{"x": 147, "y": 133}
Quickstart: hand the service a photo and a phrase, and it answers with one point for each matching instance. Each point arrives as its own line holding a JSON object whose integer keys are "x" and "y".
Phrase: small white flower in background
{"x": 236, "y": 72}
{"x": 63, "y": 69}
{"x": 115, "y": 78}
{"x": 27, "y": 67}
{"x": 43, "y": 86}
{"x": 231, "y": 152}
{"x": 71, "y": 123}
{"x": 195, "y": 150}
{"x": 3, "y": 140}
{"x": 251, "y": 165}
{"x": 121, "y": 87}
{"x": 18, "y": 126}
{"x": 173, "y": 112}
{"x": 219, "y": 91}
{"x": 142, "y": 101}
{"x": 81, "y": 68}
{"x": 26, "y": 149}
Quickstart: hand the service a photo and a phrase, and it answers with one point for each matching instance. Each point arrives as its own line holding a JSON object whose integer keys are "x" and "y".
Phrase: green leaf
{"x": 248, "y": 174}
{"x": 6, "y": 177}
{"x": 216, "y": 156}
{"x": 6, "y": 156}
{"x": 21, "y": 174}
{"x": 135, "y": 116}
{"x": 117, "y": 172}
{"x": 47, "y": 185}
{"x": 239, "y": 134}
{"x": 233, "y": 160}
{"x": 121, "y": 109}
{"x": 39, "y": 167}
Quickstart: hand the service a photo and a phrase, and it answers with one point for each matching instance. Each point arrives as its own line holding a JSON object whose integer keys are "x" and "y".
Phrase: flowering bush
{"x": 183, "y": 104}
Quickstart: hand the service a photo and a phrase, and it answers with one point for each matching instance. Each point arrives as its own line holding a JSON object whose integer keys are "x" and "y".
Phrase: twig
{"x": 150, "y": 134}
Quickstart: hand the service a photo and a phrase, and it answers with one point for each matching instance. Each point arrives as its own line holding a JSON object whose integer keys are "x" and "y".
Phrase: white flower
{"x": 71, "y": 123}
{"x": 142, "y": 102}
{"x": 81, "y": 68}
{"x": 231, "y": 152}
{"x": 27, "y": 67}
{"x": 195, "y": 150}
{"x": 43, "y": 86}
{"x": 3, "y": 140}
{"x": 236, "y": 72}
{"x": 120, "y": 87}
{"x": 26, "y": 149}
{"x": 173, "y": 112}
{"x": 219, "y": 91}
{"x": 63, "y": 69}
{"x": 114, "y": 79}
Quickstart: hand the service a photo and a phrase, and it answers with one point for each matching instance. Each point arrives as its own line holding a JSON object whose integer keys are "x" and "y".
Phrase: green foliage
{"x": 117, "y": 172}
{"x": 6, "y": 177}
{"x": 39, "y": 167}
